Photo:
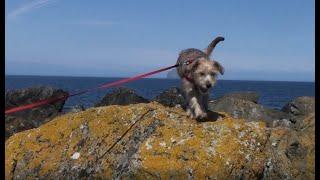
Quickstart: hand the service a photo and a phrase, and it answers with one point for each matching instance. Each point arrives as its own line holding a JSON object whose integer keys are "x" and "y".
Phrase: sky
{"x": 264, "y": 40}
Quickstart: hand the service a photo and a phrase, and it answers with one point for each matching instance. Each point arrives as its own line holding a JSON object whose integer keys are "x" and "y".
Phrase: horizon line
{"x": 80, "y": 76}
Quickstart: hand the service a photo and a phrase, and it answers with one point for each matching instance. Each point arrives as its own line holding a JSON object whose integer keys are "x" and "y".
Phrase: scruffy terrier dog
{"x": 198, "y": 74}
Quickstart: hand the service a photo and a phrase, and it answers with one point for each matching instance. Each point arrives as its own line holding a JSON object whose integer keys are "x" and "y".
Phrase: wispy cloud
{"x": 27, "y": 7}
{"x": 98, "y": 23}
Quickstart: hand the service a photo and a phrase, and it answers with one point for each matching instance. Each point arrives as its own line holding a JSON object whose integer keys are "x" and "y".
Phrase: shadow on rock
{"x": 212, "y": 116}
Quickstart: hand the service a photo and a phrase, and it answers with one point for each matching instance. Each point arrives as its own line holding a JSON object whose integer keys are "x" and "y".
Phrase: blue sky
{"x": 264, "y": 40}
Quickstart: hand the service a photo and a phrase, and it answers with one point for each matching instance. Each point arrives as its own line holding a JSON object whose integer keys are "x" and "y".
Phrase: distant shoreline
{"x": 164, "y": 78}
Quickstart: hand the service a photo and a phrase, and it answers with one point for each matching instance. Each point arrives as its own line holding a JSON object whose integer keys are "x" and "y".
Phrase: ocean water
{"x": 273, "y": 94}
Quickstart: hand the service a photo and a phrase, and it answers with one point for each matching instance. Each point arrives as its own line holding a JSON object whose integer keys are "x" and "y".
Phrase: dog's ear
{"x": 219, "y": 67}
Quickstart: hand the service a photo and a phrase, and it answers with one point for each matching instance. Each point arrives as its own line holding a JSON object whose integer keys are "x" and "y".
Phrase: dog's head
{"x": 204, "y": 73}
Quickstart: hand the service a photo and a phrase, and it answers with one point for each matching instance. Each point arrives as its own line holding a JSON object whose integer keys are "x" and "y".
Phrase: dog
{"x": 198, "y": 75}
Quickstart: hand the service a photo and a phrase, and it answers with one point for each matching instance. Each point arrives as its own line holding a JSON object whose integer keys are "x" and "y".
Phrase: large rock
{"x": 300, "y": 106}
{"x": 121, "y": 96}
{"x": 239, "y": 108}
{"x": 244, "y": 95}
{"x": 150, "y": 141}
{"x": 298, "y": 109}
{"x": 28, "y": 119}
{"x": 292, "y": 153}
{"x": 170, "y": 97}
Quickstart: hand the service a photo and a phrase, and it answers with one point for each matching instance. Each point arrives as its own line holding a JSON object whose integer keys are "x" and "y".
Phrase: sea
{"x": 273, "y": 94}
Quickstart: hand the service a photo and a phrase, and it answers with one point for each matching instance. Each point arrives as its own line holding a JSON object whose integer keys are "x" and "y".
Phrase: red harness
{"x": 188, "y": 62}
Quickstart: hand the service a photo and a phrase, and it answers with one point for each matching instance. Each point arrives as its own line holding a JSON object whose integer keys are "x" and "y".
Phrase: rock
{"x": 239, "y": 108}
{"x": 170, "y": 97}
{"x": 245, "y": 95}
{"x": 28, "y": 119}
{"x": 300, "y": 106}
{"x": 148, "y": 141}
{"x": 137, "y": 141}
{"x": 77, "y": 108}
{"x": 121, "y": 96}
{"x": 298, "y": 109}
{"x": 291, "y": 154}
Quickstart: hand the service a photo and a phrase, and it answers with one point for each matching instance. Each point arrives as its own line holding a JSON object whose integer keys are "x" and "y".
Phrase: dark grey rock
{"x": 250, "y": 111}
{"x": 298, "y": 109}
{"x": 300, "y": 106}
{"x": 170, "y": 97}
{"x": 245, "y": 95}
{"x": 28, "y": 119}
{"x": 121, "y": 96}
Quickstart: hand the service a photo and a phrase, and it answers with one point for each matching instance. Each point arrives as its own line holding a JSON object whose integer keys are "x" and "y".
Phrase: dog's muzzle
{"x": 203, "y": 90}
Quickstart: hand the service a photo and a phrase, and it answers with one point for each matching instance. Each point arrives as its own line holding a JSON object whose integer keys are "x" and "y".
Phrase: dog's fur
{"x": 198, "y": 77}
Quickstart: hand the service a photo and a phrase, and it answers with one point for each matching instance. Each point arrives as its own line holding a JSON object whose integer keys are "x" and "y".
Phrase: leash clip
{"x": 187, "y": 62}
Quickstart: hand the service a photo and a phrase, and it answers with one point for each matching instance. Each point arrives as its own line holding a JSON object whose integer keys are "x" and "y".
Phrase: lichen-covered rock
{"x": 121, "y": 96}
{"x": 170, "y": 97}
{"x": 33, "y": 118}
{"x": 145, "y": 141}
{"x": 250, "y": 111}
{"x": 291, "y": 153}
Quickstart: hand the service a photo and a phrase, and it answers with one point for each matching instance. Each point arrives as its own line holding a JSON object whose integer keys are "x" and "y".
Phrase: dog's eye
{"x": 202, "y": 74}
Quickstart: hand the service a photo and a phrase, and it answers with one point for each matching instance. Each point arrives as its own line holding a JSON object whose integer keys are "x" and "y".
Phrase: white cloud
{"x": 35, "y": 4}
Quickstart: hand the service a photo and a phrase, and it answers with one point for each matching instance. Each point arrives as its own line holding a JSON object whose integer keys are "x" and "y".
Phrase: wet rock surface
{"x": 121, "y": 96}
{"x": 29, "y": 119}
{"x": 151, "y": 141}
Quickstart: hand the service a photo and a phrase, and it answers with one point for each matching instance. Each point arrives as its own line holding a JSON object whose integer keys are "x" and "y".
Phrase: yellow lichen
{"x": 177, "y": 148}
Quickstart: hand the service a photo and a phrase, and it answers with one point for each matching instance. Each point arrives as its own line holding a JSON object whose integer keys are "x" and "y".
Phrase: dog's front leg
{"x": 196, "y": 108}
{"x": 193, "y": 106}
{"x": 205, "y": 100}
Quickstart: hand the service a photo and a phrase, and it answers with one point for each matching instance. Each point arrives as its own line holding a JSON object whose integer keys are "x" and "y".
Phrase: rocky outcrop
{"x": 241, "y": 108}
{"x": 121, "y": 96}
{"x": 300, "y": 106}
{"x": 291, "y": 153}
{"x": 298, "y": 109}
{"x": 170, "y": 97}
{"x": 151, "y": 141}
{"x": 244, "y": 95}
{"x": 29, "y": 119}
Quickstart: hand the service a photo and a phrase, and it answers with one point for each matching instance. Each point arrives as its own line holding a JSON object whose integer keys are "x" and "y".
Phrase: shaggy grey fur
{"x": 198, "y": 77}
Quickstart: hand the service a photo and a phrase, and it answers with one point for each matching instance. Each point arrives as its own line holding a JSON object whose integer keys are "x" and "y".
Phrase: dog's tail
{"x": 213, "y": 44}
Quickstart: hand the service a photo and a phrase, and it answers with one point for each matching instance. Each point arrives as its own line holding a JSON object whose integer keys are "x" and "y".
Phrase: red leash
{"x": 107, "y": 85}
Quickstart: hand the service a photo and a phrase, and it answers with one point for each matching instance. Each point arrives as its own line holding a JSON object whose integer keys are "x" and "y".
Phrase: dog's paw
{"x": 190, "y": 114}
{"x": 199, "y": 114}
{"x": 202, "y": 116}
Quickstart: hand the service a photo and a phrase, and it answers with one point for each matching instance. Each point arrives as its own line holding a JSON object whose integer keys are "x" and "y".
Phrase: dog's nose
{"x": 208, "y": 86}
